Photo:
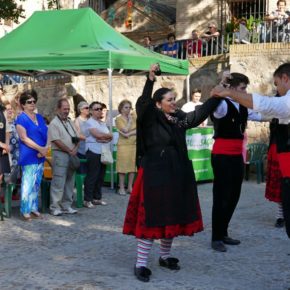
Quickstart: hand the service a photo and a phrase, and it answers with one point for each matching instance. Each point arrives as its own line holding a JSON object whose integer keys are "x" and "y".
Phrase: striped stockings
{"x": 279, "y": 214}
{"x": 165, "y": 247}
{"x": 144, "y": 246}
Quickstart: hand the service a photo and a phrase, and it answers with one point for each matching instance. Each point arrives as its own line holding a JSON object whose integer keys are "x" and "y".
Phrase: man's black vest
{"x": 233, "y": 124}
{"x": 283, "y": 138}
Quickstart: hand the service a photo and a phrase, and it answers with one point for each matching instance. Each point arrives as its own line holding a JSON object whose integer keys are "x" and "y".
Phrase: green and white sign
{"x": 199, "y": 144}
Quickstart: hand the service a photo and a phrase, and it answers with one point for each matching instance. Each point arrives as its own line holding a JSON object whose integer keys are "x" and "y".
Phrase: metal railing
{"x": 264, "y": 32}
{"x": 13, "y": 79}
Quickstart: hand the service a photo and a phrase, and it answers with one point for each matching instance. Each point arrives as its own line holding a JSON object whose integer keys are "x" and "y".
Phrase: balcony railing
{"x": 265, "y": 32}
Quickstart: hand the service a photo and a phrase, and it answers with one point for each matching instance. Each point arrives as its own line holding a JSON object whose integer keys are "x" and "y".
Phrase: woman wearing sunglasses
{"x": 98, "y": 135}
{"x": 80, "y": 123}
{"x": 32, "y": 131}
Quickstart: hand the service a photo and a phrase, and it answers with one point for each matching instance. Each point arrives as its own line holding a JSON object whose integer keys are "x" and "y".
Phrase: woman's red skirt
{"x": 135, "y": 218}
{"x": 274, "y": 177}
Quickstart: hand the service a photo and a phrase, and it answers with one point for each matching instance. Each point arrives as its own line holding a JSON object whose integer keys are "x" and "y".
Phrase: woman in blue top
{"x": 32, "y": 131}
{"x": 171, "y": 47}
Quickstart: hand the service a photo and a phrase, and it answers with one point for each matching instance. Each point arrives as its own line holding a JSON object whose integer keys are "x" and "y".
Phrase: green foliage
{"x": 251, "y": 23}
{"x": 53, "y": 4}
{"x": 10, "y": 11}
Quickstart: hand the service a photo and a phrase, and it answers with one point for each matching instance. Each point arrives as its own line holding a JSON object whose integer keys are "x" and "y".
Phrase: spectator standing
{"x": 32, "y": 131}
{"x": 4, "y": 138}
{"x": 13, "y": 143}
{"x": 148, "y": 43}
{"x": 195, "y": 101}
{"x": 98, "y": 136}
{"x": 126, "y": 152}
{"x": 211, "y": 38}
{"x": 243, "y": 35}
{"x": 280, "y": 19}
{"x": 171, "y": 47}
{"x": 80, "y": 124}
{"x": 194, "y": 45}
{"x": 64, "y": 144}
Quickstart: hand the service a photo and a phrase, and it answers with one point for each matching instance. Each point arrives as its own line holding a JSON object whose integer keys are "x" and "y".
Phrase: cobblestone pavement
{"x": 88, "y": 250}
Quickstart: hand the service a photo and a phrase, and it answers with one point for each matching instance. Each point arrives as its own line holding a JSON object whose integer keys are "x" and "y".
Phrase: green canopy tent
{"x": 76, "y": 42}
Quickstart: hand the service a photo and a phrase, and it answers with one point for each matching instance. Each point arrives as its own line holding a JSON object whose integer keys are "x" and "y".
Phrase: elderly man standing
{"x": 64, "y": 144}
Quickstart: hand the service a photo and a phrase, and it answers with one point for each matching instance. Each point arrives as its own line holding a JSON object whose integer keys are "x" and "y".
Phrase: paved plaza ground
{"x": 88, "y": 250}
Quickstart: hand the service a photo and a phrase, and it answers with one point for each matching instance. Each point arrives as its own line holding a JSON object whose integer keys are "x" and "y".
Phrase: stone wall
{"x": 194, "y": 15}
{"x": 92, "y": 88}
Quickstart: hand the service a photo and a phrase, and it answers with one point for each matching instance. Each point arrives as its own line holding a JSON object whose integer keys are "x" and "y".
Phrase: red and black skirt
{"x": 134, "y": 223}
{"x": 274, "y": 176}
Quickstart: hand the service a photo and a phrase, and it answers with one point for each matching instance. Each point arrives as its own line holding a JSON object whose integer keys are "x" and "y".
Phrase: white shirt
{"x": 91, "y": 143}
{"x": 190, "y": 106}
{"x": 222, "y": 110}
{"x": 273, "y": 107}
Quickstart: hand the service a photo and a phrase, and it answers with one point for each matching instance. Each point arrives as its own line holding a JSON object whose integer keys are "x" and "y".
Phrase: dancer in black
{"x": 164, "y": 201}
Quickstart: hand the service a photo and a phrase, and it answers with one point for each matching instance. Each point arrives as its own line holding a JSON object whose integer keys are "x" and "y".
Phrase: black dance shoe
{"x": 279, "y": 223}
{"x": 142, "y": 274}
{"x": 230, "y": 241}
{"x": 170, "y": 263}
{"x": 218, "y": 246}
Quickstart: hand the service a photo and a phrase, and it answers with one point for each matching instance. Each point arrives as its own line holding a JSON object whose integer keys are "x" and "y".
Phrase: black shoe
{"x": 279, "y": 223}
{"x": 142, "y": 274}
{"x": 218, "y": 246}
{"x": 170, "y": 263}
{"x": 230, "y": 241}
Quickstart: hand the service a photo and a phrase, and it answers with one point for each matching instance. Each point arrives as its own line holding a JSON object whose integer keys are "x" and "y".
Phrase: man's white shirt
{"x": 222, "y": 110}
{"x": 273, "y": 107}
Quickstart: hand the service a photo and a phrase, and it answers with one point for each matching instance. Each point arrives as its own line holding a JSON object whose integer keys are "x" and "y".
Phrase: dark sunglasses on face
{"x": 97, "y": 109}
{"x": 85, "y": 108}
{"x": 30, "y": 102}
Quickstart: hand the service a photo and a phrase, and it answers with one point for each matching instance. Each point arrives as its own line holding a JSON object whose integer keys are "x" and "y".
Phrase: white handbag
{"x": 106, "y": 155}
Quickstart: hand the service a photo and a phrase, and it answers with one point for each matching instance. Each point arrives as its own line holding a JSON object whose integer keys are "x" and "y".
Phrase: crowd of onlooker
{"x": 27, "y": 139}
{"x": 275, "y": 27}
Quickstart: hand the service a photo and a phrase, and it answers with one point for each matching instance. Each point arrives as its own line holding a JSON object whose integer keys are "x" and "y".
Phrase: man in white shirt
{"x": 272, "y": 108}
{"x": 195, "y": 101}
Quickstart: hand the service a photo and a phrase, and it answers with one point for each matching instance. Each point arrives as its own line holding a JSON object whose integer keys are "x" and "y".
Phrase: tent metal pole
{"x": 110, "y": 72}
{"x": 187, "y": 88}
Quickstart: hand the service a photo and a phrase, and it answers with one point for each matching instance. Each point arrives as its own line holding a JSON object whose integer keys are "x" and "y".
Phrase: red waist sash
{"x": 227, "y": 146}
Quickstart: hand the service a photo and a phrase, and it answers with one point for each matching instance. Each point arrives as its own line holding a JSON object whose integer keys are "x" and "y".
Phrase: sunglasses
{"x": 86, "y": 108}
{"x": 98, "y": 109}
{"x": 127, "y": 108}
{"x": 30, "y": 102}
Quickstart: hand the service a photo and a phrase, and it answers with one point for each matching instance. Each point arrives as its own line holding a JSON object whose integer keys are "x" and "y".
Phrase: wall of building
{"x": 194, "y": 15}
